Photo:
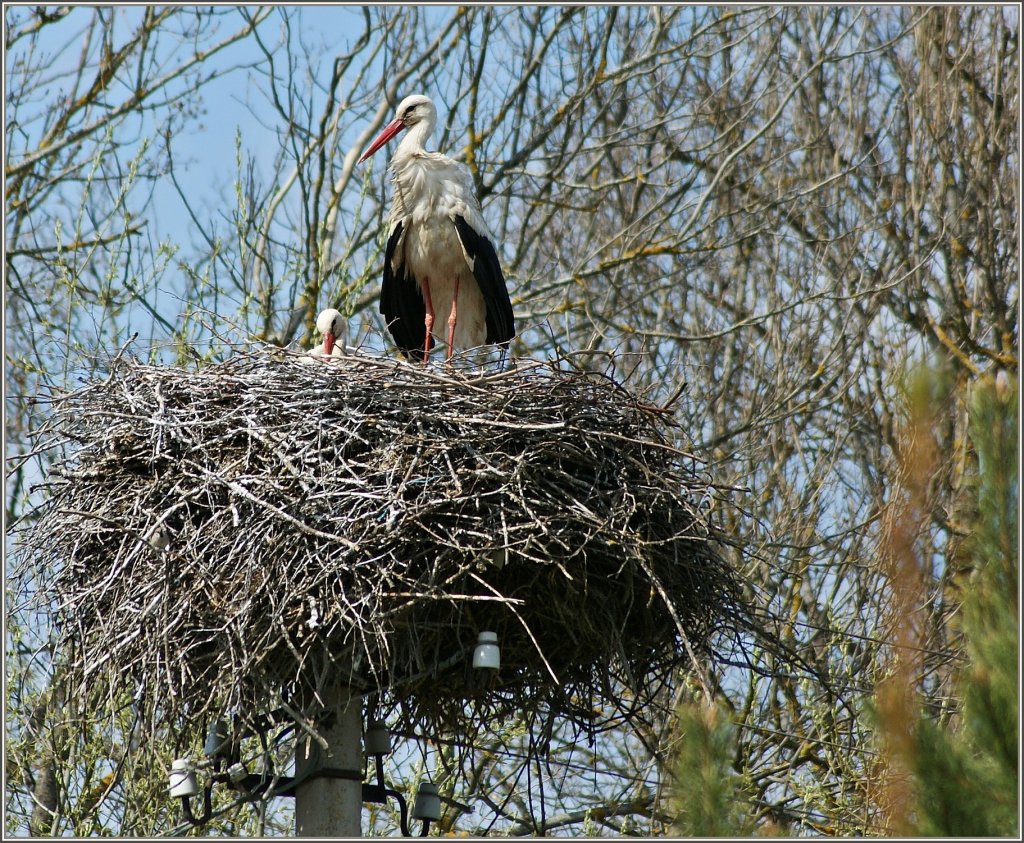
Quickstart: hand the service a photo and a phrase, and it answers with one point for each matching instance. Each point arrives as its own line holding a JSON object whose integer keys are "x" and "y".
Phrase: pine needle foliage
{"x": 709, "y": 792}
{"x": 955, "y": 777}
{"x": 967, "y": 775}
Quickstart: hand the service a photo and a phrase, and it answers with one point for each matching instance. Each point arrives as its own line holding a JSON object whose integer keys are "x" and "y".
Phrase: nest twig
{"x": 244, "y": 535}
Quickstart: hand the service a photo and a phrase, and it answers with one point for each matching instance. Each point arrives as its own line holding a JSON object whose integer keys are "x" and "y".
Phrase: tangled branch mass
{"x": 241, "y": 536}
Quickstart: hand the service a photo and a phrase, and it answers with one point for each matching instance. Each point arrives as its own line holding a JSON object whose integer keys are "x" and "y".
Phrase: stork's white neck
{"x": 415, "y": 139}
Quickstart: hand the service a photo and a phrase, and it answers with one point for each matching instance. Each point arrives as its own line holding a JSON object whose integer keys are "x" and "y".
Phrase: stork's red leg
{"x": 451, "y": 320}
{"x": 428, "y": 319}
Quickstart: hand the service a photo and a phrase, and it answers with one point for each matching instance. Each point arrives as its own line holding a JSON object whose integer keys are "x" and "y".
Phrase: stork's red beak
{"x": 390, "y": 130}
{"x": 328, "y": 343}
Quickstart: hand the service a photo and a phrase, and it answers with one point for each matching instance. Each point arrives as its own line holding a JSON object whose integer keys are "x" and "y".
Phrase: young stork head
{"x": 328, "y": 324}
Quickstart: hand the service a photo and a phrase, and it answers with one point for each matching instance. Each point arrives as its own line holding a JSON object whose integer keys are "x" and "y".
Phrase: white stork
{"x": 440, "y": 257}
{"x": 328, "y": 324}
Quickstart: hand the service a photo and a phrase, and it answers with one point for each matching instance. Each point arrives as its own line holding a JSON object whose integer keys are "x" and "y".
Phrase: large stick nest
{"x": 244, "y": 535}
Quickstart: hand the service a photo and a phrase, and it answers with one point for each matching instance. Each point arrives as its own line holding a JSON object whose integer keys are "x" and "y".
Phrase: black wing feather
{"x": 487, "y": 271}
{"x": 401, "y": 303}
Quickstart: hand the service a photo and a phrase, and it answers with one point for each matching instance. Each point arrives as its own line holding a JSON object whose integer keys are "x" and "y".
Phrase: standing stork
{"x": 440, "y": 257}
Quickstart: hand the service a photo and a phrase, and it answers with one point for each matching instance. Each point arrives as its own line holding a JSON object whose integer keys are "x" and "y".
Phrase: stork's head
{"x": 328, "y": 323}
{"x": 414, "y": 110}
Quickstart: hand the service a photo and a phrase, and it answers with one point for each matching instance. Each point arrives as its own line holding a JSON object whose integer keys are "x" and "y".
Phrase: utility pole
{"x": 331, "y": 805}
